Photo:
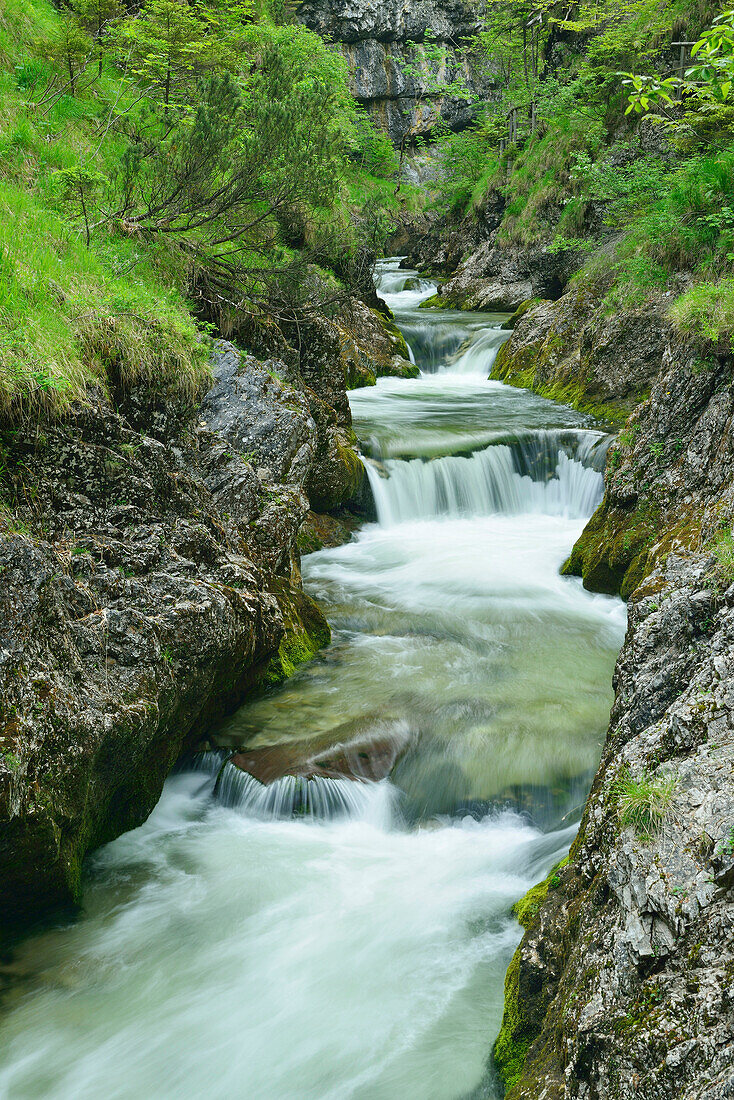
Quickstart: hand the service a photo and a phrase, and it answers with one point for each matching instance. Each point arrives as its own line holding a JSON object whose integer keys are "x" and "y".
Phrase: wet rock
{"x": 632, "y": 951}
{"x": 342, "y": 754}
{"x": 501, "y": 279}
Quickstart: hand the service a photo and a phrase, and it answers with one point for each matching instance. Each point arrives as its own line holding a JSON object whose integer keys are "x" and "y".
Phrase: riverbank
{"x": 619, "y": 987}
{"x": 150, "y": 580}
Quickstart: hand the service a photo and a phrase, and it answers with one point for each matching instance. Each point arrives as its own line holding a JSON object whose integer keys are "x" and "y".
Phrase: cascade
{"x": 479, "y": 353}
{"x": 319, "y": 797}
{"x": 494, "y": 480}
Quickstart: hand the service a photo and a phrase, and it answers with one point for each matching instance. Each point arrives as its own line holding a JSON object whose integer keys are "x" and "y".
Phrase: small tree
{"x": 96, "y": 16}
{"x": 71, "y": 48}
{"x": 167, "y": 45}
{"x": 76, "y": 188}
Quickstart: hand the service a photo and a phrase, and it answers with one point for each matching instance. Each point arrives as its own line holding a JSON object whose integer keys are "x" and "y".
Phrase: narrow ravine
{"x": 238, "y": 945}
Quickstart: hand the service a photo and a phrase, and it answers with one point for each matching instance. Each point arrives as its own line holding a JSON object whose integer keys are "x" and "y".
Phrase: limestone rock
{"x": 381, "y": 43}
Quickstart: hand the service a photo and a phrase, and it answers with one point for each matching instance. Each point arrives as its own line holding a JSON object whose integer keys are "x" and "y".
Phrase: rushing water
{"x": 328, "y": 939}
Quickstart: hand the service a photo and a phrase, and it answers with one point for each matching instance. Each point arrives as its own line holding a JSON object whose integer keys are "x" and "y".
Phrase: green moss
{"x": 521, "y": 310}
{"x": 436, "y": 301}
{"x": 308, "y": 541}
{"x": 518, "y": 1031}
{"x": 527, "y": 907}
{"x": 306, "y": 632}
{"x": 619, "y": 548}
{"x": 513, "y": 1042}
{"x": 526, "y": 367}
{"x": 401, "y": 348}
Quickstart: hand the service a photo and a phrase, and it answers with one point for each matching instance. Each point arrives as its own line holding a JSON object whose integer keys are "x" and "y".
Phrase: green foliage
{"x": 705, "y": 87}
{"x": 371, "y": 148}
{"x": 645, "y": 803}
{"x": 71, "y": 47}
{"x": 220, "y": 161}
{"x": 465, "y": 158}
{"x": 78, "y": 186}
{"x": 167, "y": 45}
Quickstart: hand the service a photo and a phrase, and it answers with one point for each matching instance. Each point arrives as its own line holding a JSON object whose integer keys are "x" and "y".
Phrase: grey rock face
{"x": 634, "y": 948}
{"x": 626, "y": 977}
{"x": 378, "y": 40}
{"x": 503, "y": 278}
{"x": 146, "y": 583}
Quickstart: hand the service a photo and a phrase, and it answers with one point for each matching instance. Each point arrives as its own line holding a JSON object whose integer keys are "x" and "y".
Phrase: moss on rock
{"x": 521, "y": 310}
{"x": 519, "y": 1026}
{"x": 531, "y": 368}
{"x": 619, "y": 548}
{"x": 306, "y": 632}
{"x": 513, "y": 1041}
{"x": 437, "y": 301}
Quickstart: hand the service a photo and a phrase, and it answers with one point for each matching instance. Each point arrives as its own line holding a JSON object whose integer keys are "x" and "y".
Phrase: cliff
{"x": 622, "y": 986}
{"x": 390, "y": 74}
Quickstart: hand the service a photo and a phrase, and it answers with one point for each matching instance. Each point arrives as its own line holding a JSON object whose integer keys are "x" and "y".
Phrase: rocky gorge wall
{"x": 389, "y": 74}
{"x": 623, "y": 985}
{"x": 149, "y": 579}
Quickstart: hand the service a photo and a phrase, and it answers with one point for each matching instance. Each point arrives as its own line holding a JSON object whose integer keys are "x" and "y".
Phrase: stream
{"x": 341, "y": 939}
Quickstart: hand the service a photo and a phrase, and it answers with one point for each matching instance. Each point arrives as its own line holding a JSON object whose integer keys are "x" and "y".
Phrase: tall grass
{"x": 645, "y": 803}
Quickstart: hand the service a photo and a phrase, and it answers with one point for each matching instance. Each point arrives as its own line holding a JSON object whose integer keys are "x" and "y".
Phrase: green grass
{"x": 707, "y": 310}
{"x": 644, "y": 804}
{"x": 73, "y": 317}
{"x": 722, "y": 548}
{"x": 66, "y": 321}
{"x": 541, "y": 194}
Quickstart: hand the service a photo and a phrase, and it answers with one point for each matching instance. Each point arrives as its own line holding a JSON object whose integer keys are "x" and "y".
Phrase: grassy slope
{"x": 70, "y": 315}
{"x": 67, "y": 313}
{"x": 671, "y": 214}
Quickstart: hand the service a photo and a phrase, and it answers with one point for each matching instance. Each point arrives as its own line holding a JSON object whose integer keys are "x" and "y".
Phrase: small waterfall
{"x": 401, "y": 288}
{"x": 536, "y": 475}
{"x": 479, "y": 356}
{"x": 434, "y": 342}
{"x": 318, "y": 797}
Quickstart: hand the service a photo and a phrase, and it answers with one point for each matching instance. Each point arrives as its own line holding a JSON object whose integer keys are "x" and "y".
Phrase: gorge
{"x": 456, "y": 644}
{"x": 366, "y": 550}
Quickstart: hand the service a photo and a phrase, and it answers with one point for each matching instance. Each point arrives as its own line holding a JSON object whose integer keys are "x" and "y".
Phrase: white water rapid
{"x": 331, "y": 939}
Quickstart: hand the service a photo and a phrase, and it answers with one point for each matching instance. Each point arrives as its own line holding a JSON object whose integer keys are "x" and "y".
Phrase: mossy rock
{"x": 519, "y": 1029}
{"x": 399, "y": 344}
{"x": 521, "y": 310}
{"x": 437, "y": 301}
{"x": 619, "y": 548}
{"x": 306, "y": 632}
{"x": 532, "y": 367}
